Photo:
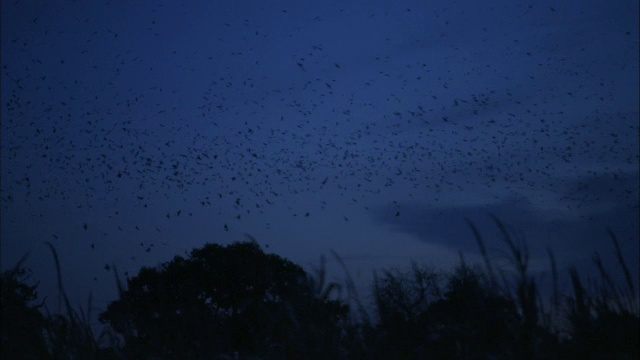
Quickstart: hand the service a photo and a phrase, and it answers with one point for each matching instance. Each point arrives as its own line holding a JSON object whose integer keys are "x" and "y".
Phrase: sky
{"x": 136, "y": 131}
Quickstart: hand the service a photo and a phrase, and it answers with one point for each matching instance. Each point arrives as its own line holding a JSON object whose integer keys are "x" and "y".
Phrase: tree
{"x": 468, "y": 320}
{"x": 472, "y": 320}
{"x": 402, "y": 300}
{"x": 21, "y": 334}
{"x": 225, "y": 299}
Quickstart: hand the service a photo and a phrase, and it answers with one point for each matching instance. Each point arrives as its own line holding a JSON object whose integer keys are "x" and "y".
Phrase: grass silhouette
{"x": 471, "y": 312}
{"x": 69, "y": 333}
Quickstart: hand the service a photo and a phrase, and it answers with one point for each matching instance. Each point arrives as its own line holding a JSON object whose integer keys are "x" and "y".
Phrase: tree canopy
{"x": 22, "y": 323}
{"x": 225, "y": 299}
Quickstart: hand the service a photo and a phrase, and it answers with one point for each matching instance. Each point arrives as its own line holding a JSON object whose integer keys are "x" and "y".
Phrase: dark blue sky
{"x": 132, "y": 132}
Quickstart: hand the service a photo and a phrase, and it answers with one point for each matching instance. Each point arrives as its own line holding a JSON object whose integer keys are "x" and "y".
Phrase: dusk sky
{"x": 135, "y": 131}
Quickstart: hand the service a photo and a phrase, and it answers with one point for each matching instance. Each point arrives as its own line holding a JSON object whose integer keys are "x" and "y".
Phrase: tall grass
{"x": 68, "y": 333}
{"x": 596, "y": 321}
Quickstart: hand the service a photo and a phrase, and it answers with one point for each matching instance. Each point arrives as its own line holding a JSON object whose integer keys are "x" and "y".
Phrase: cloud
{"x": 445, "y": 225}
{"x": 564, "y": 231}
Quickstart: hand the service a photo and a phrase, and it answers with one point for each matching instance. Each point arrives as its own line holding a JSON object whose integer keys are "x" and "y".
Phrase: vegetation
{"x": 236, "y": 301}
{"x": 22, "y": 323}
{"x": 223, "y": 300}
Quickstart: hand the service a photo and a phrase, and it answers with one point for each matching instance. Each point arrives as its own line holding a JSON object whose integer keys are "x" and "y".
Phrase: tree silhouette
{"x": 222, "y": 300}
{"x": 473, "y": 320}
{"x": 468, "y": 320}
{"x": 21, "y": 334}
{"x": 402, "y": 300}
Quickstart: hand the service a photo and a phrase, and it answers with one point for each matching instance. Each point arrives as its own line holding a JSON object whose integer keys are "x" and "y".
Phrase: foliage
{"x": 402, "y": 300}
{"x": 222, "y": 300}
{"x": 21, "y": 335}
{"x": 473, "y": 321}
{"x": 475, "y": 318}
{"x": 425, "y": 314}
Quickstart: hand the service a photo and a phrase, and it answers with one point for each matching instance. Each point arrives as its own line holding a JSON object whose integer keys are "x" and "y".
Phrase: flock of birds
{"x": 101, "y": 125}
